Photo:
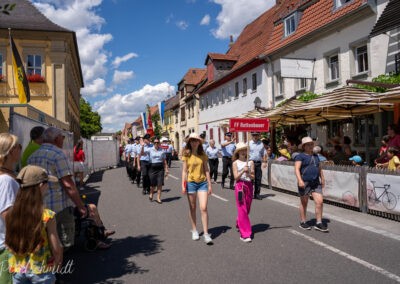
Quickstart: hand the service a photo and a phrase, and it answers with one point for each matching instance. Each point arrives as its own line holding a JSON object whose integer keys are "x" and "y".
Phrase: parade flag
{"x": 144, "y": 121}
{"x": 161, "y": 106}
{"x": 19, "y": 75}
{"x": 150, "y": 130}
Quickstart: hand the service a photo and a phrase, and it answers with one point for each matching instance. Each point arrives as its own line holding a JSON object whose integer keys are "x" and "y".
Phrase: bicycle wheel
{"x": 389, "y": 200}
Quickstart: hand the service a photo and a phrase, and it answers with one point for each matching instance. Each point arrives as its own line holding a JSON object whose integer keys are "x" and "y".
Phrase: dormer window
{"x": 340, "y": 3}
{"x": 290, "y": 24}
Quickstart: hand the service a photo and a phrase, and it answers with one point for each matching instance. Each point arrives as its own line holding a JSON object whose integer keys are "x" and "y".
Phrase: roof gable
{"x": 193, "y": 76}
{"x": 26, "y": 16}
{"x": 389, "y": 19}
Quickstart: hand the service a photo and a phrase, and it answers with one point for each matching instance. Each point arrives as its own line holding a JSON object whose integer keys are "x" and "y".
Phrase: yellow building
{"x": 170, "y": 117}
{"x": 51, "y": 60}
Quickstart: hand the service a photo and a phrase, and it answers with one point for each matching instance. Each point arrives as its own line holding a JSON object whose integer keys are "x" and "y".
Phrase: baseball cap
{"x": 32, "y": 175}
{"x": 356, "y": 159}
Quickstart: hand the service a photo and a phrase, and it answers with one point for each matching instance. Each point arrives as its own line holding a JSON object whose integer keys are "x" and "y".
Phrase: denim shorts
{"x": 309, "y": 188}
{"x": 45, "y": 278}
{"x": 193, "y": 187}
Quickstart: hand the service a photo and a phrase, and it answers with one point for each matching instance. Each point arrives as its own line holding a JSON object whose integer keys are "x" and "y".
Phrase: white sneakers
{"x": 195, "y": 235}
{"x": 207, "y": 239}
{"x": 246, "y": 240}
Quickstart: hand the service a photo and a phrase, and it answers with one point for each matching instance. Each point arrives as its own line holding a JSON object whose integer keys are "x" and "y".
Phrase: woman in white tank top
{"x": 243, "y": 172}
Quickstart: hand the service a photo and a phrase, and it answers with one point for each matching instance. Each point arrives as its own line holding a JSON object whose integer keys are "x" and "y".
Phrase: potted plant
{"x": 2, "y": 78}
{"x": 35, "y": 78}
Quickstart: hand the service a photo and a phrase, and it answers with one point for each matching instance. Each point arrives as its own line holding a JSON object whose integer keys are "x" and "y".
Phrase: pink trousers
{"x": 243, "y": 207}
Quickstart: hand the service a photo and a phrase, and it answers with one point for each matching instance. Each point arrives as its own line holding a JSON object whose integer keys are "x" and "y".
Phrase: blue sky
{"x": 134, "y": 52}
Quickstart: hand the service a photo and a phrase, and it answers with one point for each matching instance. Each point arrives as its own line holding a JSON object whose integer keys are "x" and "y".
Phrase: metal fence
{"x": 369, "y": 190}
{"x": 99, "y": 154}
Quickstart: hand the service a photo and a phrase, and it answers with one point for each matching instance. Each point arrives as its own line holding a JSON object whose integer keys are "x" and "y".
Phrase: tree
{"x": 155, "y": 118}
{"x": 90, "y": 120}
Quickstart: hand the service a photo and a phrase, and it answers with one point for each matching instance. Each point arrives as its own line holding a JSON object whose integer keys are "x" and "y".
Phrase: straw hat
{"x": 240, "y": 146}
{"x": 194, "y": 136}
{"x": 305, "y": 140}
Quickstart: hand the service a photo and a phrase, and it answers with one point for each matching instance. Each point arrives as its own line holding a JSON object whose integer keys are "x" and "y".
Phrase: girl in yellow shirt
{"x": 196, "y": 183}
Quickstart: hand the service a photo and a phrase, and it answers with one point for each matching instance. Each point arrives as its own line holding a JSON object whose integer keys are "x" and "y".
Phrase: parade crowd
{"x": 41, "y": 202}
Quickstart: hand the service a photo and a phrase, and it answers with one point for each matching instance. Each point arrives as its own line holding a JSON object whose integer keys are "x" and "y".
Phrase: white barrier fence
{"x": 99, "y": 154}
{"x": 369, "y": 190}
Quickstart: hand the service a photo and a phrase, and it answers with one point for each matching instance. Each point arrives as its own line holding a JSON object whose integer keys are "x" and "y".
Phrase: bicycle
{"x": 389, "y": 200}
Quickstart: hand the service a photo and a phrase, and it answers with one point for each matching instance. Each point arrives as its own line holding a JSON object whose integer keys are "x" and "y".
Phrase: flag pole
{"x": 12, "y": 65}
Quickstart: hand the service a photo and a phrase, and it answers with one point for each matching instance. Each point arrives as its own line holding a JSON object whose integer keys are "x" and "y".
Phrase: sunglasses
{"x": 156, "y": 142}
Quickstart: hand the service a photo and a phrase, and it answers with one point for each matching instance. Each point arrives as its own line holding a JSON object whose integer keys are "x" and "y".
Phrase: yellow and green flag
{"x": 19, "y": 75}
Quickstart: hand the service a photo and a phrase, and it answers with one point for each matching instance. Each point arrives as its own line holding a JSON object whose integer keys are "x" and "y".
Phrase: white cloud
{"x": 118, "y": 109}
{"x": 183, "y": 25}
{"x": 205, "y": 21}
{"x": 95, "y": 88}
{"x": 236, "y": 14}
{"x": 80, "y": 16}
{"x": 169, "y": 18}
{"x": 121, "y": 76}
{"x": 118, "y": 60}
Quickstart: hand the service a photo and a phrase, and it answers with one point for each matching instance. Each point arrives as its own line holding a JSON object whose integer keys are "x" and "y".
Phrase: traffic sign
{"x": 249, "y": 124}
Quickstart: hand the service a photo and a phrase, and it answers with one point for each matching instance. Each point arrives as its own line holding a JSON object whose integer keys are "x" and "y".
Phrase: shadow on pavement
{"x": 105, "y": 266}
{"x": 96, "y": 177}
{"x": 217, "y": 231}
{"x": 170, "y": 199}
{"x": 259, "y": 228}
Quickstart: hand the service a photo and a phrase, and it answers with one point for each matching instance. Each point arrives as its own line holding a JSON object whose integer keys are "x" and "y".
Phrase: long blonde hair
{"x": 7, "y": 143}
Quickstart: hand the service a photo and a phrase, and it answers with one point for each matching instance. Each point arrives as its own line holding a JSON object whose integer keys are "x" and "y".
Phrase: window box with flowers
{"x": 35, "y": 78}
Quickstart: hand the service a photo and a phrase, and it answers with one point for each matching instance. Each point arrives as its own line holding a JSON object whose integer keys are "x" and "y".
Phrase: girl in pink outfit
{"x": 243, "y": 172}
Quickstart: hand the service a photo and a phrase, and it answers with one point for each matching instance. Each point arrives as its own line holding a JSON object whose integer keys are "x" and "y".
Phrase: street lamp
{"x": 257, "y": 103}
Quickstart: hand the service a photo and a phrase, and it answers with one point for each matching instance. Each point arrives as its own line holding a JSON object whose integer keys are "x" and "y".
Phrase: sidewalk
{"x": 375, "y": 224}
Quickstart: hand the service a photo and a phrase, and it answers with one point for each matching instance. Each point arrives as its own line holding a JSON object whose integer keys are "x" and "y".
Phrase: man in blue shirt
{"x": 227, "y": 149}
{"x": 256, "y": 154}
{"x": 205, "y": 143}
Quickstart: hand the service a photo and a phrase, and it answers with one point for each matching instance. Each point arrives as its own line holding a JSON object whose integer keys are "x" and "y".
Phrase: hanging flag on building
{"x": 144, "y": 121}
{"x": 161, "y": 106}
{"x": 149, "y": 130}
{"x": 19, "y": 75}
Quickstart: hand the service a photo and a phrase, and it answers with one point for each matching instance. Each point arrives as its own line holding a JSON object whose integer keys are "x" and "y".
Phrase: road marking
{"x": 285, "y": 200}
{"x": 219, "y": 197}
{"x": 349, "y": 256}
{"x": 174, "y": 177}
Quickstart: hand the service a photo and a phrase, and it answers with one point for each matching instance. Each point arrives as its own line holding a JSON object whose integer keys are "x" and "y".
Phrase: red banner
{"x": 149, "y": 130}
{"x": 249, "y": 124}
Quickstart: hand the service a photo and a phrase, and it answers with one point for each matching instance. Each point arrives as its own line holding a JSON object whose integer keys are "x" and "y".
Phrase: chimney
{"x": 230, "y": 41}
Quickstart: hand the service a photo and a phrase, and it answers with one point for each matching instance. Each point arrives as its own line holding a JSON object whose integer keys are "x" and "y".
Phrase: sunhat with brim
{"x": 194, "y": 136}
{"x": 284, "y": 152}
{"x": 306, "y": 140}
{"x": 240, "y": 146}
{"x": 32, "y": 175}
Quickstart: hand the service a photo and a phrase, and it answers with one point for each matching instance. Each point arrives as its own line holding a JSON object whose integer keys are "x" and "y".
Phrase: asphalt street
{"x": 153, "y": 242}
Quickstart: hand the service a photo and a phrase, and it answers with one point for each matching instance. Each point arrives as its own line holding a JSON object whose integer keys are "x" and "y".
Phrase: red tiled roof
{"x": 193, "y": 76}
{"x": 314, "y": 17}
{"x": 265, "y": 34}
{"x": 220, "y": 56}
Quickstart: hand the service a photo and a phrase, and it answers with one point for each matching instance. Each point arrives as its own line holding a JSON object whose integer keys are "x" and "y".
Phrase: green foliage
{"x": 7, "y": 8}
{"x": 307, "y": 96}
{"x": 391, "y": 78}
{"x": 155, "y": 118}
{"x": 90, "y": 120}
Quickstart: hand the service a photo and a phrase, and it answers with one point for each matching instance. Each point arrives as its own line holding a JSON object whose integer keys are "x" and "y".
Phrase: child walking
{"x": 243, "y": 172}
{"x": 31, "y": 231}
